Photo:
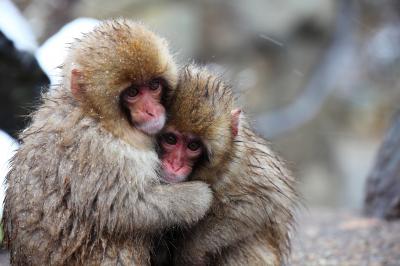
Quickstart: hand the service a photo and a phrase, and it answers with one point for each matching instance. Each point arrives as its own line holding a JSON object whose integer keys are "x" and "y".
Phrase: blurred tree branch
{"x": 322, "y": 81}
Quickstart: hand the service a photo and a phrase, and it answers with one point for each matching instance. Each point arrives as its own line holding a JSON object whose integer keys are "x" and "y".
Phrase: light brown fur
{"x": 84, "y": 187}
{"x": 254, "y": 196}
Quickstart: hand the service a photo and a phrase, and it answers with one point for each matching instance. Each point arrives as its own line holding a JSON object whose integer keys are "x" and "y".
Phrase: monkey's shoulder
{"x": 63, "y": 134}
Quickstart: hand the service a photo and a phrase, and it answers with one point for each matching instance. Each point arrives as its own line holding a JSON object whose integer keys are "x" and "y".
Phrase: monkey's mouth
{"x": 153, "y": 126}
{"x": 171, "y": 178}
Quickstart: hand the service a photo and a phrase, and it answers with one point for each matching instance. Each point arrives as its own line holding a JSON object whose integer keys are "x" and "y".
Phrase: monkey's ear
{"x": 235, "y": 115}
{"x": 76, "y": 87}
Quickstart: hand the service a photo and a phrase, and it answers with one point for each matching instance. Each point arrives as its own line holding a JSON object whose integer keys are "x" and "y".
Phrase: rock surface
{"x": 345, "y": 239}
{"x": 383, "y": 184}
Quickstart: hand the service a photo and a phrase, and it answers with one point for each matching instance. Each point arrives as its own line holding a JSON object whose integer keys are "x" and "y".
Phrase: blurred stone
{"x": 383, "y": 186}
{"x": 21, "y": 80}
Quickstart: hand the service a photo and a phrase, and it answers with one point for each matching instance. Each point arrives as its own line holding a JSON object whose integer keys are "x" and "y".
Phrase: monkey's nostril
{"x": 149, "y": 113}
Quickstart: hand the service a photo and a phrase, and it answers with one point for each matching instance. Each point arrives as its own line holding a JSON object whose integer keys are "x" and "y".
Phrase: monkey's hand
{"x": 178, "y": 204}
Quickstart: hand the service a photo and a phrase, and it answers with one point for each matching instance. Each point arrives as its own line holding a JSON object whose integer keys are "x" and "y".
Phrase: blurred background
{"x": 319, "y": 78}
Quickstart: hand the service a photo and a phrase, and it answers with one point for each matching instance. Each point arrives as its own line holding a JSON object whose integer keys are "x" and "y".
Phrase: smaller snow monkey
{"x": 208, "y": 139}
{"x": 84, "y": 187}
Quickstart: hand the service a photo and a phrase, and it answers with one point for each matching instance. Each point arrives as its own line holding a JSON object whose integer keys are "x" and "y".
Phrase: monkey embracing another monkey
{"x": 84, "y": 187}
{"x": 254, "y": 197}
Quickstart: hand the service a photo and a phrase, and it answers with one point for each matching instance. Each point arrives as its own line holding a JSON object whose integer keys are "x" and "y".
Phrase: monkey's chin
{"x": 153, "y": 126}
{"x": 170, "y": 178}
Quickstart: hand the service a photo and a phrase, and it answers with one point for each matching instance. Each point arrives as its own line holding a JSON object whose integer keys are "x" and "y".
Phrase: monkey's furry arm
{"x": 175, "y": 204}
{"x": 119, "y": 186}
{"x": 123, "y": 208}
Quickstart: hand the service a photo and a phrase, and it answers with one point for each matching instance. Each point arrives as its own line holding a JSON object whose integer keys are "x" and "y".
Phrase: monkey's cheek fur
{"x": 153, "y": 126}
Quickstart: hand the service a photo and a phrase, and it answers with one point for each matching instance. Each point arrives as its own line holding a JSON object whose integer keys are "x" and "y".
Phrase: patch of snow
{"x": 52, "y": 53}
{"x": 16, "y": 27}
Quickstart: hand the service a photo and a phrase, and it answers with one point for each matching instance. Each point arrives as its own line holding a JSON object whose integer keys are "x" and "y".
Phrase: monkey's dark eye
{"x": 155, "y": 84}
{"x": 170, "y": 138}
{"x": 132, "y": 91}
{"x": 194, "y": 145}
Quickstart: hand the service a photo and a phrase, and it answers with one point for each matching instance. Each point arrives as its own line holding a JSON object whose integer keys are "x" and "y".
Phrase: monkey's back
{"x": 67, "y": 172}
{"x": 257, "y": 189}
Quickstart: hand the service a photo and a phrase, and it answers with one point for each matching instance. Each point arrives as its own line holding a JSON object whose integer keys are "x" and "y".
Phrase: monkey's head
{"x": 202, "y": 126}
{"x": 120, "y": 73}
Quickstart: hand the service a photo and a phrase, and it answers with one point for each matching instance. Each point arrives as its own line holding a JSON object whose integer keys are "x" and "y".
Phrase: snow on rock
{"x": 8, "y": 147}
{"x": 16, "y": 27}
{"x": 53, "y": 52}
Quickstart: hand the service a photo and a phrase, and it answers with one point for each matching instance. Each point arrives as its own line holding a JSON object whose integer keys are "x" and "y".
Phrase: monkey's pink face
{"x": 144, "y": 106}
{"x": 180, "y": 152}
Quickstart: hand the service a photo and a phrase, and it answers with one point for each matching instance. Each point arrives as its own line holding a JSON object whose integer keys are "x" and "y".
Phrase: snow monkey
{"x": 84, "y": 187}
{"x": 208, "y": 139}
